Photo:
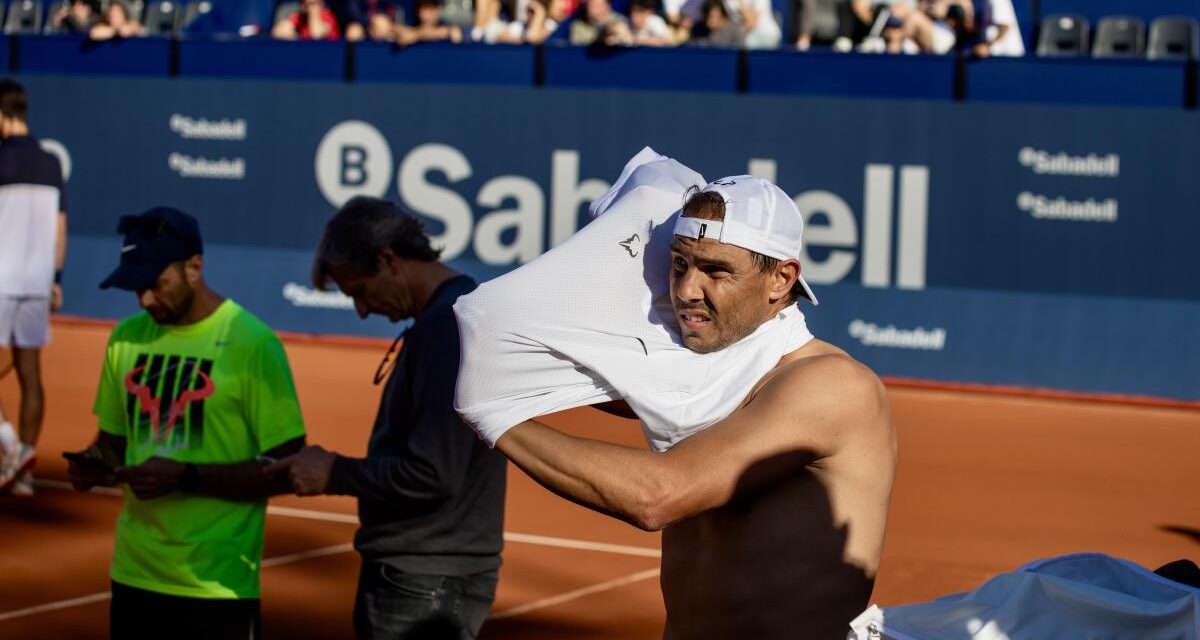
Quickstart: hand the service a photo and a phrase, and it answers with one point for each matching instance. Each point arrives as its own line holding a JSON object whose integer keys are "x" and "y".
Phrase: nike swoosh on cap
{"x": 127, "y": 248}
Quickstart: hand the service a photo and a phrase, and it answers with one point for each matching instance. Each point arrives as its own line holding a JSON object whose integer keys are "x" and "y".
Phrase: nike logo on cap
{"x": 127, "y": 248}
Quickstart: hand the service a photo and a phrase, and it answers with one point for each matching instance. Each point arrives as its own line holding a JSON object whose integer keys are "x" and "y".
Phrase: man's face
{"x": 429, "y": 14}
{"x": 598, "y": 10}
{"x": 720, "y": 296}
{"x": 171, "y": 297}
{"x": 385, "y": 293}
{"x": 116, "y": 16}
{"x": 638, "y": 17}
{"x": 715, "y": 20}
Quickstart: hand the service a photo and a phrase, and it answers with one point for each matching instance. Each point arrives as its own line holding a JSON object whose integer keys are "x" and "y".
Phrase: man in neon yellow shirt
{"x": 195, "y": 391}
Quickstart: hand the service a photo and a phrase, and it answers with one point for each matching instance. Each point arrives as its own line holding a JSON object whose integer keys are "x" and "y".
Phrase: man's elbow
{"x": 655, "y": 507}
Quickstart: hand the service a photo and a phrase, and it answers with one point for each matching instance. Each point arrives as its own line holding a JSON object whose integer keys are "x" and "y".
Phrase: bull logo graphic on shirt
{"x": 633, "y": 245}
{"x": 165, "y": 392}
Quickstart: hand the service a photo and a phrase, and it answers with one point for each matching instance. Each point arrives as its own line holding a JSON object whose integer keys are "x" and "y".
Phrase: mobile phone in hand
{"x": 87, "y": 462}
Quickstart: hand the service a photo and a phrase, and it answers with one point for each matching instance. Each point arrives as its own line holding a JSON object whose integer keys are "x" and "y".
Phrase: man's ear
{"x": 786, "y": 273}
{"x": 193, "y": 269}
{"x": 388, "y": 261}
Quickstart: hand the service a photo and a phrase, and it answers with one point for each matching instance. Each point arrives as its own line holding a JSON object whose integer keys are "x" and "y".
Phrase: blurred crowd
{"x": 978, "y": 27}
{"x": 981, "y": 27}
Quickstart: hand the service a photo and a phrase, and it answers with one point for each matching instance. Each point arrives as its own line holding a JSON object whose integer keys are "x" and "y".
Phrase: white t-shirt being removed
{"x": 591, "y": 320}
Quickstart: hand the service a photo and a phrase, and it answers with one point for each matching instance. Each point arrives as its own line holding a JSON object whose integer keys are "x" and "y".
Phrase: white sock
{"x": 8, "y": 438}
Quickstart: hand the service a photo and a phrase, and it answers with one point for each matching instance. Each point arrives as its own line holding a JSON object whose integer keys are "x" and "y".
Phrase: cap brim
{"x": 133, "y": 277}
{"x": 812, "y": 297}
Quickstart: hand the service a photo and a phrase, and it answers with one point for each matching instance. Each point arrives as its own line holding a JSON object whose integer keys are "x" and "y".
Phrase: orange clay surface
{"x": 986, "y": 483}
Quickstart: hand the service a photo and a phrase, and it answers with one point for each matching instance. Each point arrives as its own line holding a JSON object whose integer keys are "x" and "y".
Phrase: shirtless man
{"x": 773, "y": 518}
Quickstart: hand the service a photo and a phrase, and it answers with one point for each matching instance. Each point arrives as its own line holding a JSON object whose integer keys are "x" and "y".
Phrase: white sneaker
{"x": 16, "y": 465}
{"x": 23, "y": 487}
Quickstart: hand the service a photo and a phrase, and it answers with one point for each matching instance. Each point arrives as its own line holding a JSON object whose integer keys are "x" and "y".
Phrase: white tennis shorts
{"x": 24, "y": 322}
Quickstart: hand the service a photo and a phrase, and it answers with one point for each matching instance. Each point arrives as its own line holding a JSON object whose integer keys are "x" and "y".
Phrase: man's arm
{"x": 108, "y": 448}
{"x": 243, "y": 481}
{"x": 808, "y": 409}
{"x": 437, "y": 446}
{"x": 60, "y": 260}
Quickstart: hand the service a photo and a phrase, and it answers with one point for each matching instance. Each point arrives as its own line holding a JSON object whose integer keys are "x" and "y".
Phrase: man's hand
{"x": 153, "y": 478}
{"x": 307, "y": 469}
{"x": 56, "y": 298}
{"x": 83, "y": 478}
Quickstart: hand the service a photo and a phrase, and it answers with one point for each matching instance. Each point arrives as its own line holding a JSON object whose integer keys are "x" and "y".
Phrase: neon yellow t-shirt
{"x": 215, "y": 392}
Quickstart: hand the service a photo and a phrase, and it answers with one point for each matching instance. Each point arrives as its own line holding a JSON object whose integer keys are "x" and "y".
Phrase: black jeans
{"x": 392, "y": 604}
{"x": 136, "y": 613}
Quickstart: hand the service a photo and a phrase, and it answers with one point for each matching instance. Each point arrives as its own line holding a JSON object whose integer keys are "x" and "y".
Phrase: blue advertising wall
{"x": 1008, "y": 244}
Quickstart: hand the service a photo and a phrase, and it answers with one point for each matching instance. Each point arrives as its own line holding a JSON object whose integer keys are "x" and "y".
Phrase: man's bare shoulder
{"x": 822, "y": 385}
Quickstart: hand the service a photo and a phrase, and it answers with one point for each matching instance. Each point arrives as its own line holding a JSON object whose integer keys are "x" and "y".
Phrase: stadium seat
{"x": 193, "y": 10}
{"x": 1173, "y": 38}
{"x": 285, "y": 9}
{"x": 24, "y": 16}
{"x": 162, "y": 17}
{"x": 457, "y": 12}
{"x": 1119, "y": 37}
{"x": 1063, "y": 35}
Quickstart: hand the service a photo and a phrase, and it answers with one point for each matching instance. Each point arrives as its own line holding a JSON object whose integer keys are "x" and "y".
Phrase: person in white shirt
{"x": 33, "y": 241}
{"x": 758, "y": 23}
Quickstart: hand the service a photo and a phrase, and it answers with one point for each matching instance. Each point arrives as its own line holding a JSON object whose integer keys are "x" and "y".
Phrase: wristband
{"x": 189, "y": 480}
{"x": 58, "y": 277}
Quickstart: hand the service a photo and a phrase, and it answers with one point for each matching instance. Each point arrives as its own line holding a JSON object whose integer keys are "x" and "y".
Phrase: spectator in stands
{"x": 759, "y": 25}
{"x": 981, "y": 27}
{"x": 115, "y": 24}
{"x": 645, "y": 29}
{"x": 908, "y": 27}
{"x": 854, "y": 23}
{"x": 501, "y": 21}
{"x": 720, "y": 29}
{"x": 374, "y": 19}
{"x": 314, "y": 21}
{"x": 805, "y": 11}
{"x": 680, "y": 21}
{"x": 76, "y": 17}
{"x": 545, "y": 16}
{"x": 429, "y": 28}
{"x": 593, "y": 26}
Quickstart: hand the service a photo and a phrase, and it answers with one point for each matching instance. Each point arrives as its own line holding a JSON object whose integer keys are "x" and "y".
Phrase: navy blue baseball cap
{"x": 153, "y": 240}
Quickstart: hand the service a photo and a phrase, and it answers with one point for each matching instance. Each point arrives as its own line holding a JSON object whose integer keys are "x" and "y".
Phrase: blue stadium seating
{"x": 1147, "y": 10}
{"x": 77, "y": 54}
{"x": 445, "y": 63}
{"x": 836, "y": 74}
{"x": 680, "y": 69}
{"x": 262, "y": 58}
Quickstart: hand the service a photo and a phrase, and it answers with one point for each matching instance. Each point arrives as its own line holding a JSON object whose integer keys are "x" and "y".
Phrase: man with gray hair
{"x": 430, "y": 495}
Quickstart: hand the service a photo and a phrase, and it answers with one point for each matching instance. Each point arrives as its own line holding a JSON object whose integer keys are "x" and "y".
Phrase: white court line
{"x": 564, "y": 543}
{"x": 575, "y": 595}
{"x": 103, "y": 596}
{"x": 346, "y": 518}
{"x": 55, "y": 606}
{"x": 308, "y": 555}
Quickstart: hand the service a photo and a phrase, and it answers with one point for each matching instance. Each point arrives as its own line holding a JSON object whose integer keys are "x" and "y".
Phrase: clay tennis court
{"x": 986, "y": 483}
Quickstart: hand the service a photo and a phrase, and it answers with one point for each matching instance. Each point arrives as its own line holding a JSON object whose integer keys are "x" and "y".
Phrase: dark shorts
{"x": 138, "y": 613}
{"x": 392, "y": 604}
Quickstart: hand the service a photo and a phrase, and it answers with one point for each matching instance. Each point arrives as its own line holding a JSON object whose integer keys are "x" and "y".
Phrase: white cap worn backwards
{"x": 759, "y": 217}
